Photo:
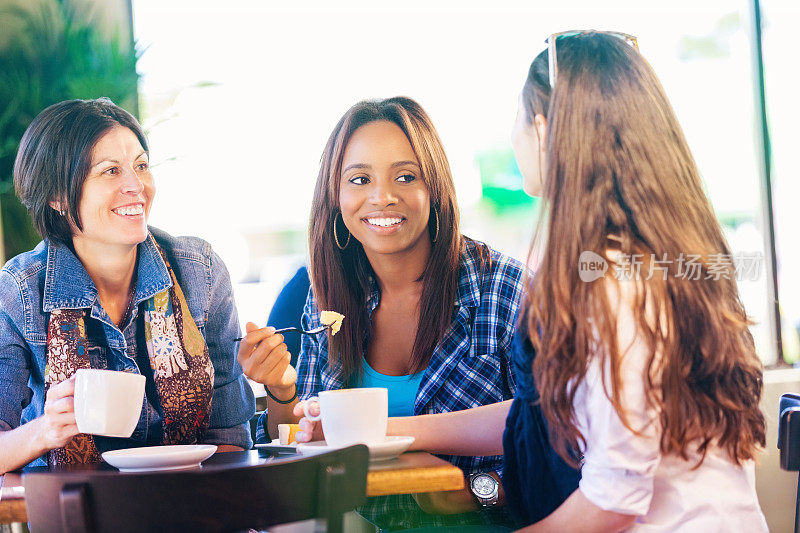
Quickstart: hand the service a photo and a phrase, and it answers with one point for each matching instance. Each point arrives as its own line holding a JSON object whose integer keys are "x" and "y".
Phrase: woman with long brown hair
{"x": 648, "y": 377}
{"x": 429, "y": 313}
{"x": 646, "y": 371}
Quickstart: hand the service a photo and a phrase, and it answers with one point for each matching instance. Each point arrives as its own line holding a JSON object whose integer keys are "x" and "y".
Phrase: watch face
{"x": 484, "y": 485}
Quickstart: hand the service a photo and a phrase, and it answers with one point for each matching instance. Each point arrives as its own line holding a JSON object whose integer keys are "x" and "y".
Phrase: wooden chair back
{"x": 211, "y": 498}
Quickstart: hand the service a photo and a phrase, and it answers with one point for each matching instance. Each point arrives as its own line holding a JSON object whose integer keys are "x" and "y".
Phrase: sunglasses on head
{"x": 551, "y": 46}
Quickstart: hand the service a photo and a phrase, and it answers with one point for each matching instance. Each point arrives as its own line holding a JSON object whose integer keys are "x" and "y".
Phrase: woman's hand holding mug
{"x": 57, "y": 424}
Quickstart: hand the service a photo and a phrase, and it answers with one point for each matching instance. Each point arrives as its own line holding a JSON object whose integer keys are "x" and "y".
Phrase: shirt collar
{"x": 468, "y": 293}
{"x": 373, "y": 296}
{"x": 67, "y": 285}
{"x": 152, "y": 275}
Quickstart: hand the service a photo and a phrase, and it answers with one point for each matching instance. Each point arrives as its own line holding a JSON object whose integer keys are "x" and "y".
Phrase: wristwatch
{"x": 485, "y": 488}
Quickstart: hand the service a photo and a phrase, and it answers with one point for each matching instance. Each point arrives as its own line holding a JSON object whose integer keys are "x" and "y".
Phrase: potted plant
{"x": 52, "y": 50}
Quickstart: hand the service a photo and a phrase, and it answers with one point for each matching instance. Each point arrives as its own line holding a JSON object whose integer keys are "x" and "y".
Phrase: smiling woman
{"x": 116, "y": 202}
{"x": 383, "y": 162}
{"x": 384, "y": 202}
{"x": 429, "y": 313}
{"x": 102, "y": 290}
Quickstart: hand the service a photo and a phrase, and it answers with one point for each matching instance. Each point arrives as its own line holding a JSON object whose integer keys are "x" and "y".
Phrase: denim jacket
{"x": 51, "y": 277}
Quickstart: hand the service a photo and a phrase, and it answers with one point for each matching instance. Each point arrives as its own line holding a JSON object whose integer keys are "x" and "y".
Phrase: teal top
{"x": 402, "y": 389}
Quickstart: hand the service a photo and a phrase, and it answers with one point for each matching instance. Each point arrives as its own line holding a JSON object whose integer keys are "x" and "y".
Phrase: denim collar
{"x": 67, "y": 285}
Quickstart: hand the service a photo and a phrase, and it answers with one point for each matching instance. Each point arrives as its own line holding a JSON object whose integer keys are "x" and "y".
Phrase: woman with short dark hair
{"x": 103, "y": 290}
{"x": 54, "y": 158}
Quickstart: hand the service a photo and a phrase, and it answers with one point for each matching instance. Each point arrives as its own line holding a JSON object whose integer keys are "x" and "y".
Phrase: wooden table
{"x": 411, "y": 472}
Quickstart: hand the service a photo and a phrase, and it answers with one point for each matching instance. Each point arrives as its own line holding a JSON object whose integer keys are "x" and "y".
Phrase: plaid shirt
{"x": 469, "y": 367}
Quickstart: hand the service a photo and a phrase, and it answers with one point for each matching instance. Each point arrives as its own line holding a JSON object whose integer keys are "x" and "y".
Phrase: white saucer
{"x": 275, "y": 446}
{"x": 159, "y": 457}
{"x": 389, "y": 448}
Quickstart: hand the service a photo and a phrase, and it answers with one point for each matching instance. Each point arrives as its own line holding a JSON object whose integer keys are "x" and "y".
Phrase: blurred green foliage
{"x": 53, "y": 50}
{"x": 501, "y": 181}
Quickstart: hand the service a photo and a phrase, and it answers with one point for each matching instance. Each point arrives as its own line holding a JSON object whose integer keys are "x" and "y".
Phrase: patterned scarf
{"x": 178, "y": 354}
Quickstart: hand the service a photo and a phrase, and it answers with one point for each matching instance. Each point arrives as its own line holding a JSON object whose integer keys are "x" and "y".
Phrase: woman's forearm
{"x": 477, "y": 431}
{"x": 20, "y": 446}
{"x": 579, "y": 514}
{"x": 280, "y": 413}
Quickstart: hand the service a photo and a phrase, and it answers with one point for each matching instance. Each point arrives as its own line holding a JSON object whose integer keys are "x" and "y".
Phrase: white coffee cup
{"x": 108, "y": 402}
{"x": 352, "y": 416}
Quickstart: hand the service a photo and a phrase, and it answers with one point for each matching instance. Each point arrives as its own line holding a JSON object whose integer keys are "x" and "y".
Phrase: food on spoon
{"x": 332, "y": 319}
{"x": 287, "y": 432}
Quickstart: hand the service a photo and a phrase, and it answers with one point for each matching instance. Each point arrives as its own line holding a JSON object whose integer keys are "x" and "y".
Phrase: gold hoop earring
{"x": 336, "y": 233}
{"x": 436, "y": 219}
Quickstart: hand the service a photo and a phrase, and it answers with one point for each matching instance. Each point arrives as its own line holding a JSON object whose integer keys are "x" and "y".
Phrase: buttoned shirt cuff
{"x": 234, "y": 436}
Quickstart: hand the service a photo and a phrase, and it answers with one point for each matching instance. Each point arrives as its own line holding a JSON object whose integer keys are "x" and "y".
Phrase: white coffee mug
{"x": 352, "y": 416}
{"x": 108, "y": 402}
